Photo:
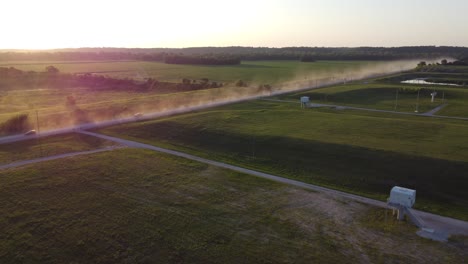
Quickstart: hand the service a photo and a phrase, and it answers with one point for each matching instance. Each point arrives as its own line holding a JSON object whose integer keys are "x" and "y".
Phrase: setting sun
{"x": 58, "y": 24}
{"x": 54, "y": 24}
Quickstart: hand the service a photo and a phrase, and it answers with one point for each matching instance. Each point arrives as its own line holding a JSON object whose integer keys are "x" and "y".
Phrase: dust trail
{"x": 152, "y": 106}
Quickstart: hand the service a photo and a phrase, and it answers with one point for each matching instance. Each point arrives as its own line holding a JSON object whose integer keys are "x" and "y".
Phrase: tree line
{"x": 201, "y": 60}
{"x": 52, "y": 77}
{"x": 233, "y": 55}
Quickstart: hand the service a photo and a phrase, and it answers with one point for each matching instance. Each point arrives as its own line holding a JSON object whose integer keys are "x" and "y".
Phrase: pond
{"x": 423, "y": 81}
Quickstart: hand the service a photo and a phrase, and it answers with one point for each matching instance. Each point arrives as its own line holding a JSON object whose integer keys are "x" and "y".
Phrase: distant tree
{"x": 241, "y": 83}
{"x": 422, "y": 64}
{"x": 16, "y": 124}
{"x": 52, "y": 69}
{"x": 443, "y": 62}
{"x": 214, "y": 85}
{"x": 307, "y": 59}
{"x": 71, "y": 101}
{"x": 459, "y": 63}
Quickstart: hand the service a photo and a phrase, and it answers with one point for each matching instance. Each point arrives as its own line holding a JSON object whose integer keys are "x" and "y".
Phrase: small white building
{"x": 402, "y": 197}
{"x": 305, "y": 101}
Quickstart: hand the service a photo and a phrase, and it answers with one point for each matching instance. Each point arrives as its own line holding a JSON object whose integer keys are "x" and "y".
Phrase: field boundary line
{"x": 54, "y": 157}
{"x": 443, "y": 224}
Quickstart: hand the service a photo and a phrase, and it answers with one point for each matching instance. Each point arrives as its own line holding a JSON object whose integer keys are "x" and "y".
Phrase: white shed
{"x": 305, "y": 99}
{"x": 402, "y": 196}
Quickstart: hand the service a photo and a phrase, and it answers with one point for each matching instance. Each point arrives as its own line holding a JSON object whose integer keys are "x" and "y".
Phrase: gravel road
{"x": 60, "y": 156}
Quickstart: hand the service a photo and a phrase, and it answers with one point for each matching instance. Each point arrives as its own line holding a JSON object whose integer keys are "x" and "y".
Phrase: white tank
{"x": 402, "y": 196}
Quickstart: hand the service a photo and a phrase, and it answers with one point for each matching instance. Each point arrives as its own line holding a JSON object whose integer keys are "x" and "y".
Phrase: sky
{"x": 47, "y": 24}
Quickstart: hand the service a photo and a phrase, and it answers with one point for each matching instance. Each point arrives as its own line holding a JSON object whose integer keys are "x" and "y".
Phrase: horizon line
{"x": 229, "y": 46}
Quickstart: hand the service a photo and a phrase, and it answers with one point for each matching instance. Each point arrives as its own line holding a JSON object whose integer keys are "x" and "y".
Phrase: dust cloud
{"x": 158, "y": 105}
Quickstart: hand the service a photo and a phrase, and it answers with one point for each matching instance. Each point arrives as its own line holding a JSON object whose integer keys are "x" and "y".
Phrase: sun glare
{"x": 57, "y": 24}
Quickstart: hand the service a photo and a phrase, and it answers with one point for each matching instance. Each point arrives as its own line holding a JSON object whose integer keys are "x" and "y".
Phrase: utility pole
{"x": 38, "y": 132}
{"x": 396, "y": 100}
{"x": 417, "y": 103}
{"x": 253, "y": 146}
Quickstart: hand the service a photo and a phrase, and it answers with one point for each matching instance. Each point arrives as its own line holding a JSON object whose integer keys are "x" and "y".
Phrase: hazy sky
{"x": 40, "y": 24}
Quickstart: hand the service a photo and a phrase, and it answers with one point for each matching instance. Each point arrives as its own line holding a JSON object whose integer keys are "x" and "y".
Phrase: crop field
{"x": 49, "y": 146}
{"x": 135, "y": 206}
{"x": 259, "y": 72}
{"x": 359, "y": 152}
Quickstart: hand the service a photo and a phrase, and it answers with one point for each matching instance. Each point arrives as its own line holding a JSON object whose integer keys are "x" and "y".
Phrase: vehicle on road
{"x": 30, "y": 132}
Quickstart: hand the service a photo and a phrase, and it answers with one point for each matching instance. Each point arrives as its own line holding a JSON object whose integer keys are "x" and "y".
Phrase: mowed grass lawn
{"x": 359, "y": 152}
{"x": 260, "y": 72}
{"x": 49, "y": 146}
{"x": 136, "y": 206}
{"x": 384, "y": 96}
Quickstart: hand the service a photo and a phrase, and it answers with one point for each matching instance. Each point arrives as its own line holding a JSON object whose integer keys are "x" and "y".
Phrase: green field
{"x": 389, "y": 93}
{"x": 263, "y": 72}
{"x": 135, "y": 206}
{"x": 49, "y": 146}
{"x": 384, "y": 97}
{"x": 359, "y": 152}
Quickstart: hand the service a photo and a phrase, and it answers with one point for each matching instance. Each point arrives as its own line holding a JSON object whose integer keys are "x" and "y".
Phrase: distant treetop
{"x": 220, "y": 55}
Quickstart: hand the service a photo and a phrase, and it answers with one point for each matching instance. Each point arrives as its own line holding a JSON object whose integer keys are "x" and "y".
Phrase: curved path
{"x": 435, "y": 226}
{"x": 60, "y": 156}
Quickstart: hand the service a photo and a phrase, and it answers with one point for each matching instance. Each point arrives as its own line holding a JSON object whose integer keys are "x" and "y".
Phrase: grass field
{"x": 97, "y": 105}
{"x": 358, "y": 152}
{"x": 390, "y": 94}
{"x": 94, "y": 106}
{"x": 263, "y": 72}
{"x": 49, "y": 146}
{"x": 376, "y": 96}
{"x": 135, "y": 206}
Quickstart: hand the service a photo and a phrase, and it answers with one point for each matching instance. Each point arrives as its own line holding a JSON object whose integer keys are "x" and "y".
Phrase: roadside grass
{"x": 138, "y": 206}
{"x": 459, "y": 241}
{"x": 361, "y": 154}
{"x": 49, "y": 146}
{"x": 457, "y": 102}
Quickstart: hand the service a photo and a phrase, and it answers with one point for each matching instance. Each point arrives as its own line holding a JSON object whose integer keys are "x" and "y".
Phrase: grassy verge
{"x": 49, "y": 146}
{"x": 362, "y": 154}
{"x": 142, "y": 207}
